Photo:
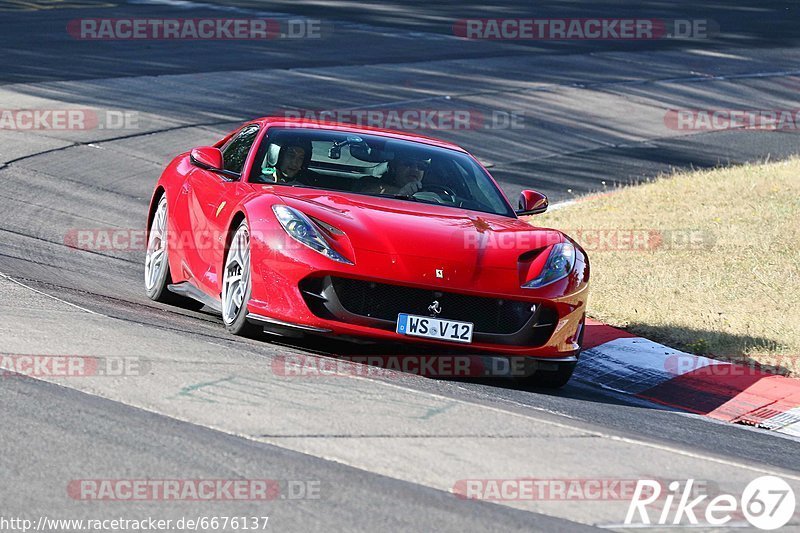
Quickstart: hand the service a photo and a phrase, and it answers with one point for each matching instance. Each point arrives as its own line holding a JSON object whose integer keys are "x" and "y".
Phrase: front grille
{"x": 384, "y": 301}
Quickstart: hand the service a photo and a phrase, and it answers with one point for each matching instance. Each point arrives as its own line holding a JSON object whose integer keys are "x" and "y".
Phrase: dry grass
{"x": 733, "y": 293}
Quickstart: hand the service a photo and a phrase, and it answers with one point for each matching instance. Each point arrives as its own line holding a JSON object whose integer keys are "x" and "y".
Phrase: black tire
{"x": 552, "y": 379}
{"x": 240, "y": 325}
{"x": 555, "y": 379}
{"x": 159, "y": 291}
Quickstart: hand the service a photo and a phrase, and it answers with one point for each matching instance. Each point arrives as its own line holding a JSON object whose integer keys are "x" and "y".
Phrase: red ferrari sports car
{"x": 363, "y": 233}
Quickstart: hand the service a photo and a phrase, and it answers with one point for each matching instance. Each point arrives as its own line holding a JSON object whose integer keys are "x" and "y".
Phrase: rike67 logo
{"x": 767, "y": 503}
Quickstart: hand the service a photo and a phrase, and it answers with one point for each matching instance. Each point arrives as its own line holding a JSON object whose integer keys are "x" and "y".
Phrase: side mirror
{"x": 210, "y": 158}
{"x": 532, "y": 203}
{"x": 207, "y": 157}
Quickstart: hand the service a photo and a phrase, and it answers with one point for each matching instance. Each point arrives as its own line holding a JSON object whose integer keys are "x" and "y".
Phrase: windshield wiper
{"x": 304, "y": 186}
{"x": 399, "y": 197}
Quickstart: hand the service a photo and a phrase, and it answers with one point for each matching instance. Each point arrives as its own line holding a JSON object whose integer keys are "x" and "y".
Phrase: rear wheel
{"x": 237, "y": 285}
{"x": 156, "y": 263}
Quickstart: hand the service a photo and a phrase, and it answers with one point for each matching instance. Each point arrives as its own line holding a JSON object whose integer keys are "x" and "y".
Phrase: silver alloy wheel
{"x": 236, "y": 275}
{"x": 156, "y": 258}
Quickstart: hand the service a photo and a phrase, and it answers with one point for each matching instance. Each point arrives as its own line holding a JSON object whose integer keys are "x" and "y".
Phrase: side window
{"x": 235, "y": 153}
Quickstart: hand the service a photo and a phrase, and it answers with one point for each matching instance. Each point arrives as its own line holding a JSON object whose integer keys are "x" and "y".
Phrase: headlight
{"x": 300, "y": 228}
{"x": 558, "y": 266}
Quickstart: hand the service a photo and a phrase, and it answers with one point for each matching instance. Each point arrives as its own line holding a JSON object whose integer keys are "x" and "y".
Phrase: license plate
{"x": 434, "y": 328}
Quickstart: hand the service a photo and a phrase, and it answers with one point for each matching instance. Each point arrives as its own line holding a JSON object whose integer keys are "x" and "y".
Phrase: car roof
{"x": 272, "y": 121}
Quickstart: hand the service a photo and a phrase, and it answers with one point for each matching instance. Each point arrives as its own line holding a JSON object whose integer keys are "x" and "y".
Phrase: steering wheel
{"x": 440, "y": 189}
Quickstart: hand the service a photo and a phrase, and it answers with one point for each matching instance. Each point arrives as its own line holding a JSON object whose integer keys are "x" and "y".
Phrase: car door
{"x": 211, "y": 197}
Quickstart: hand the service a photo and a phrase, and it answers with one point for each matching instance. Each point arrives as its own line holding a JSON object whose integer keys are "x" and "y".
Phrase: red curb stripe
{"x": 777, "y": 393}
{"x": 725, "y": 392}
{"x": 598, "y": 333}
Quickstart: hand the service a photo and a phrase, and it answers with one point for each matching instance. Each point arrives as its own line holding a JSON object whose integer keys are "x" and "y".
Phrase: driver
{"x": 293, "y": 160}
{"x": 403, "y": 176}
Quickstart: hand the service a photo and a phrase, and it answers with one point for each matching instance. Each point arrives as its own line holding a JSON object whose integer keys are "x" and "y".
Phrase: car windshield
{"x": 376, "y": 166}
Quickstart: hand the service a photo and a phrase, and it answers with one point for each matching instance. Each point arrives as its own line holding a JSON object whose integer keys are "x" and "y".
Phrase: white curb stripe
{"x": 792, "y": 420}
{"x": 633, "y": 364}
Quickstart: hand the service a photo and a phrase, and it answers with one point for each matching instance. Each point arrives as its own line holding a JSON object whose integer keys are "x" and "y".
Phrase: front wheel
{"x": 237, "y": 285}
{"x": 552, "y": 379}
{"x": 558, "y": 377}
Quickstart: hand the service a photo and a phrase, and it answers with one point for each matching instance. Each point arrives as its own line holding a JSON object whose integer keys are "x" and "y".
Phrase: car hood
{"x": 405, "y": 229}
